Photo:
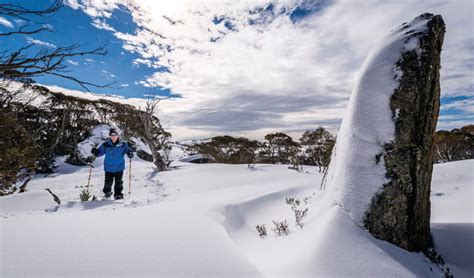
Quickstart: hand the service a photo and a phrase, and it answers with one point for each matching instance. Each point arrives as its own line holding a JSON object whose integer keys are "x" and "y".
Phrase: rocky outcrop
{"x": 400, "y": 213}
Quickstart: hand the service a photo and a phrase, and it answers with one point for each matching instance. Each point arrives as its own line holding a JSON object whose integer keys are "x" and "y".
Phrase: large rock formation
{"x": 401, "y": 212}
{"x": 380, "y": 171}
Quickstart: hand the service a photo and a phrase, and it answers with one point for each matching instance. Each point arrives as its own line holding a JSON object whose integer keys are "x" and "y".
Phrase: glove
{"x": 130, "y": 154}
{"x": 90, "y": 159}
{"x": 95, "y": 151}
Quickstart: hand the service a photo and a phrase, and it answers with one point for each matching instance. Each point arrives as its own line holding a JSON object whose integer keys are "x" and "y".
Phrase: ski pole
{"x": 90, "y": 172}
{"x": 130, "y": 177}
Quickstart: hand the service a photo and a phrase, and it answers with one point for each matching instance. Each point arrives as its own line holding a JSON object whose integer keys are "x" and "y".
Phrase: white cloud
{"x": 454, "y": 123}
{"x": 124, "y": 85}
{"x": 277, "y": 74}
{"x": 41, "y": 43}
{"x": 101, "y": 24}
{"x": 5, "y": 22}
{"x": 72, "y": 62}
{"x": 95, "y": 8}
{"x": 465, "y": 105}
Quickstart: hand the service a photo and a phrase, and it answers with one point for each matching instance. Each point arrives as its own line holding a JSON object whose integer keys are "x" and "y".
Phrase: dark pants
{"x": 109, "y": 179}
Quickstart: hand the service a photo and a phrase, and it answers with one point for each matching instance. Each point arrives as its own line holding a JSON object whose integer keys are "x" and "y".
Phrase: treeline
{"x": 37, "y": 125}
{"x": 457, "y": 144}
{"x": 313, "y": 148}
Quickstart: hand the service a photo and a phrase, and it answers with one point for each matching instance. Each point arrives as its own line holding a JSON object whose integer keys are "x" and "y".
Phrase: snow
{"x": 452, "y": 202}
{"x": 199, "y": 219}
{"x": 35, "y": 98}
{"x": 354, "y": 176}
{"x": 455, "y": 241}
{"x": 452, "y": 215}
{"x": 194, "y": 157}
{"x": 137, "y": 102}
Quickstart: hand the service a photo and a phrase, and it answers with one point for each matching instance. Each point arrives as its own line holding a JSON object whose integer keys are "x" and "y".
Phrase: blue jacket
{"x": 114, "y": 161}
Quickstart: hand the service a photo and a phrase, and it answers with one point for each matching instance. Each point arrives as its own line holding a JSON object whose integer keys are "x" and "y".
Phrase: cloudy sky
{"x": 249, "y": 68}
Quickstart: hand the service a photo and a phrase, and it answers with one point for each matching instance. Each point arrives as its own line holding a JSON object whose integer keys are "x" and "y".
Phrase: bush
{"x": 295, "y": 207}
{"x": 299, "y": 214}
{"x": 85, "y": 195}
{"x": 18, "y": 155}
{"x": 281, "y": 227}
{"x": 262, "y": 231}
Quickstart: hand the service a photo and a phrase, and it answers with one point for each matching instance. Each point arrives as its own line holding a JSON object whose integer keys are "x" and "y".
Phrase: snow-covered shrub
{"x": 294, "y": 203}
{"x": 262, "y": 231}
{"x": 281, "y": 227}
{"x": 299, "y": 214}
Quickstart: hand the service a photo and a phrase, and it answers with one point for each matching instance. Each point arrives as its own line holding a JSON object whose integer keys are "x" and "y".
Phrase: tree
{"x": 279, "y": 148}
{"x": 23, "y": 64}
{"x": 457, "y": 144}
{"x": 154, "y": 134}
{"x": 228, "y": 149}
{"x": 17, "y": 158}
{"x": 318, "y": 145}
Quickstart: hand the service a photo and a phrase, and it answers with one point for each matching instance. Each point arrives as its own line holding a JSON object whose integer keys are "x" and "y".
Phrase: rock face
{"x": 400, "y": 212}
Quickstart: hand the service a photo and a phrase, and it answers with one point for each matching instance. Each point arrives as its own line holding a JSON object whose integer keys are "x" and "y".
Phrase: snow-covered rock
{"x": 387, "y": 133}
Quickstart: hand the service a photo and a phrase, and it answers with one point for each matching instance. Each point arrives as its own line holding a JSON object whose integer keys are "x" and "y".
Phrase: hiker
{"x": 114, "y": 163}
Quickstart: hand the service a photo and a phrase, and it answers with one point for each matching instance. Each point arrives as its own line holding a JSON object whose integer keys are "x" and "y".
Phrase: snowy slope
{"x": 199, "y": 220}
{"x": 452, "y": 215}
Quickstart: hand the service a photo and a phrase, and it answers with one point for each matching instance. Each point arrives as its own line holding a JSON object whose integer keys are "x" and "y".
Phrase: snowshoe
{"x": 107, "y": 195}
{"x": 118, "y": 197}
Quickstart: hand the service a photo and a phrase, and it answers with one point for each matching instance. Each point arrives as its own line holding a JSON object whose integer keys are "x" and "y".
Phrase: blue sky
{"x": 246, "y": 68}
{"x": 75, "y": 27}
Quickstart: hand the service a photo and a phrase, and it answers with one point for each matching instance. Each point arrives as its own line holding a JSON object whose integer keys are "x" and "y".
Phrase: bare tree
{"x": 29, "y": 17}
{"x": 155, "y": 136}
{"x": 21, "y": 64}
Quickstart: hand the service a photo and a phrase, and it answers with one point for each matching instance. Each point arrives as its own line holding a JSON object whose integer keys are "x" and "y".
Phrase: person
{"x": 114, "y": 150}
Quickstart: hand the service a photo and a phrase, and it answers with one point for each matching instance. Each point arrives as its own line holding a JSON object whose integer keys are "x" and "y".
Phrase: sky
{"x": 246, "y": 68}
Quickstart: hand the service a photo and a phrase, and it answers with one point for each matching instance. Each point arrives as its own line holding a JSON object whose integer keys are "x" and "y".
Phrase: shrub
{"x": 85, "y": 195}
{"x": 262, "y": 231}
{"x": 281, "y": 227}
{"x": 294, "y": 203}
{"x": 18, "y": 155}
{"x": 299, "y": 214}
